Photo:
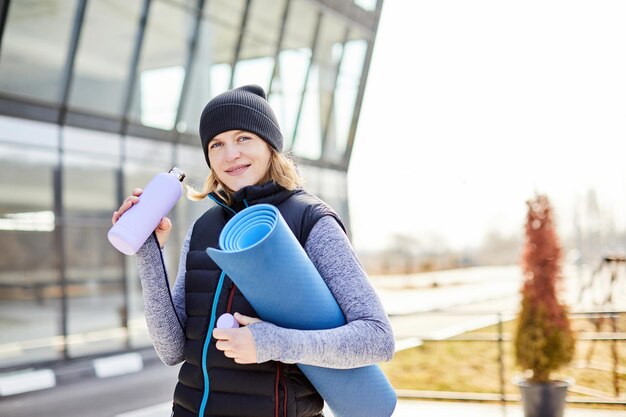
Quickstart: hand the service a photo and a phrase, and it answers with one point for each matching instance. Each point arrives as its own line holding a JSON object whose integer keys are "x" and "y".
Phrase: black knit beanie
{"x": 244, "y": 108}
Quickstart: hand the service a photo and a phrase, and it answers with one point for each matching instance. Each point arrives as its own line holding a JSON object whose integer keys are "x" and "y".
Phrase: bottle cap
{"x": 178, "y": 172}
{"x": 227, "y": 321}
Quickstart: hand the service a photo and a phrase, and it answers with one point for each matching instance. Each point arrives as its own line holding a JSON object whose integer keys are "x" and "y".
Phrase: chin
{"x": 238, "y": 186}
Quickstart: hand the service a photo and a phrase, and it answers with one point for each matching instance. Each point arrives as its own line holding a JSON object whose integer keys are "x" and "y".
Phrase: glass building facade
{"x": 97, "y": 96}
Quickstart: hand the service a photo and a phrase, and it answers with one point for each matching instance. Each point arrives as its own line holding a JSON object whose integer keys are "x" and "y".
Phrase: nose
{"x": 232, "y": 152}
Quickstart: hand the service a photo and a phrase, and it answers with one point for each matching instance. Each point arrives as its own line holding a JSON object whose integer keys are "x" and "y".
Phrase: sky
{"x": 472, "y": 107}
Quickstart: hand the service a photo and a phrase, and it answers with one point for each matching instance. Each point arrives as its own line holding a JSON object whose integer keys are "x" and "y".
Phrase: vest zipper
{"x": 216, "y": 201}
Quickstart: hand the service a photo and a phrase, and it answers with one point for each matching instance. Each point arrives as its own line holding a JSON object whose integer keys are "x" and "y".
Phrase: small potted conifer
{"x": 544, "y": 340}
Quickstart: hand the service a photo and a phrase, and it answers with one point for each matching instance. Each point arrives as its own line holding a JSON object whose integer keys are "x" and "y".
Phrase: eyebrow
{"x": 237, "y": 132}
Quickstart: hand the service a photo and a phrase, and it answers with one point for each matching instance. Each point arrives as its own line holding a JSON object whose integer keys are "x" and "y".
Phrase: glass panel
{"x": 103, "y": 58}
{"x": 161, "y": 65}
{"x": 262, "y": 29}
{"x": 345, "y": 97}
{"x": 191, "y": 160}
{"x": 287, "y": 89}
{"x": 34, "y": 48}
{"x": 320, "y": 89}
{"x": 256, "y": 58}
{"x": 220, "y": 79}
{"x": 254, "y": 71}
{"x": 27, "y": 132}
{"x": 159, "y": 96}
{"x": 94, "y": 270}
{"x": 330, "y": 185}
{"x": 146, "y": 152}
{"x": 300, "y": 27}
{"x": 215, "y": 53}
{"x": 293, "y": 62}
{"x": 92, "y": 142}
{"x": 308, "y": 141}
{"x": 29, "y": 292}
{"x": 369, "y": 5}
{"x": 228, "y": 12}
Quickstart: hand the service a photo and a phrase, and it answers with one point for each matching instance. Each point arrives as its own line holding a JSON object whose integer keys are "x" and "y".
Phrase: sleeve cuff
{"x": 266, "y": 336}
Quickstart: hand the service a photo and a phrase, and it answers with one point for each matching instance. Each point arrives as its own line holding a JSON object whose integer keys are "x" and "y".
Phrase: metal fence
{"x": 592, "y": 328}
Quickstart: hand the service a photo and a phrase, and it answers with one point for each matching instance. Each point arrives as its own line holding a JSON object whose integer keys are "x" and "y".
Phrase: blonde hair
{"x": 281, "y": 170}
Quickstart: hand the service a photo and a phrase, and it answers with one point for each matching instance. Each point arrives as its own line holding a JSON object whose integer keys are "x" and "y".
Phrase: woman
{"x": 251, "y": 370}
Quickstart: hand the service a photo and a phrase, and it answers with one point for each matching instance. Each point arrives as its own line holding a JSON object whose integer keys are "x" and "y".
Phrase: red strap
{"x": 285, "y": 399}
{"x": 276, "y": 390}
{"x": 230, "y": 298}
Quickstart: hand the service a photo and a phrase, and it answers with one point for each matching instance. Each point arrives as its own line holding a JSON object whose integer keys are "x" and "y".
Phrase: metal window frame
{"x": 70, "y": 62}
{"x": 120, "y": 174}
{"x": 59, "y": 209}
{"x": 316, "y": 36}
{"x": 192, "y": 52}
{"x": 4, "y": 13}
{"x": 279, "y": 46}
{"x": 131, "y": 79}
{"x": 242, "y": 33}
{"x": 325, "y": 153}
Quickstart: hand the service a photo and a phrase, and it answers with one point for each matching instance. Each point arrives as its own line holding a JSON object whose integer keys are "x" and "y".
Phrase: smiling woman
{"x": 225, "y": 371}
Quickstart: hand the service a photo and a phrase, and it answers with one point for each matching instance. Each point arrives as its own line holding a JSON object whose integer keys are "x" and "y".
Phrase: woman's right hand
{"x": 163, "y": 229}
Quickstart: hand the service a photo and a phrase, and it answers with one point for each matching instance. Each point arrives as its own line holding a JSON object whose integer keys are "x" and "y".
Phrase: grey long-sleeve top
{"x": 366, "y": 338}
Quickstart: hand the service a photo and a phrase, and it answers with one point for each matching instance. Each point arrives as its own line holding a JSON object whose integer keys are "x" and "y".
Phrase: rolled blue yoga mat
{"x": 263, "y": 257}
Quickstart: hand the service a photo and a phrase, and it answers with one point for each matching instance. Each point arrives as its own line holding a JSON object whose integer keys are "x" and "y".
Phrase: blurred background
{"x": 99, "y": 96}
{"x": 426, "y": 125}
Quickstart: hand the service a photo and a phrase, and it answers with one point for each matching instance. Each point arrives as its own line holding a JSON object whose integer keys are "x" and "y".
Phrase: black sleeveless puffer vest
{"x": 270, "y": 389}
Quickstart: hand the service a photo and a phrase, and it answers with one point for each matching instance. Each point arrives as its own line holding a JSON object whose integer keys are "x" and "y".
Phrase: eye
{"x": 215, "y": 144}
{"x": 243, "y": 138}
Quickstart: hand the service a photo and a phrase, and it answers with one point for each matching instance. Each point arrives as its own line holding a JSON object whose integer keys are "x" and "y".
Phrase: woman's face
{"x": 239, "y": 158}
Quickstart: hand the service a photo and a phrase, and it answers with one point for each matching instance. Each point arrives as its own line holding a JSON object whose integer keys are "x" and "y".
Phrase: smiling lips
{"x": 237, "y": 170}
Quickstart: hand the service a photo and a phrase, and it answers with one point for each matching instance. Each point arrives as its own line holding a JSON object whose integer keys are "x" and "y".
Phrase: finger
{"x": 222, "y": 345}
{"x": 129, "y": 202}
{"x": 131, "y": 199}
{"x": 245, "y": 320}
{"x": 221, "y": 334}
{"x": 137, "y": 192}
{"x": 230, "y": 354}
{"x": 125, "y": 206}
{"x": 115, "y": 217}
{"x": 165, "y": 224}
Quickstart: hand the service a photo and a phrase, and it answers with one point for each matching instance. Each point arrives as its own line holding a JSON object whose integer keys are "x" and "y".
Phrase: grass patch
{"x": 473, "y": 366}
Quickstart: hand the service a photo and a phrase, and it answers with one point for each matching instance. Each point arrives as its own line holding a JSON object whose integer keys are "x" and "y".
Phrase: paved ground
{"x": 411, "y": 408}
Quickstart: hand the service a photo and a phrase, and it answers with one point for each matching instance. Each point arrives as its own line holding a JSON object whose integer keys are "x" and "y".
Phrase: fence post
{"x": 615, "y": 356}
{"x": 501, "y": 362}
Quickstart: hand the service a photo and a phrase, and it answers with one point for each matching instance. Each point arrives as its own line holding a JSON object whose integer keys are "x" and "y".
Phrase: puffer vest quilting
{"x": 269, "y": 389}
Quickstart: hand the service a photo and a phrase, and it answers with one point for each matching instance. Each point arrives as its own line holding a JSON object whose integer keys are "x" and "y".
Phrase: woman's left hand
{"x": 238, "y": 343}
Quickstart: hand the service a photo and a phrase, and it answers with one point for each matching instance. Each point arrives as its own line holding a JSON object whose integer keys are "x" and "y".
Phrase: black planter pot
{"x": 543, "y": 399}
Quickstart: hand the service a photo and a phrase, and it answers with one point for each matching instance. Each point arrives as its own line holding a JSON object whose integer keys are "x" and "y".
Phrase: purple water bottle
{"x": 139, "y": 221}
